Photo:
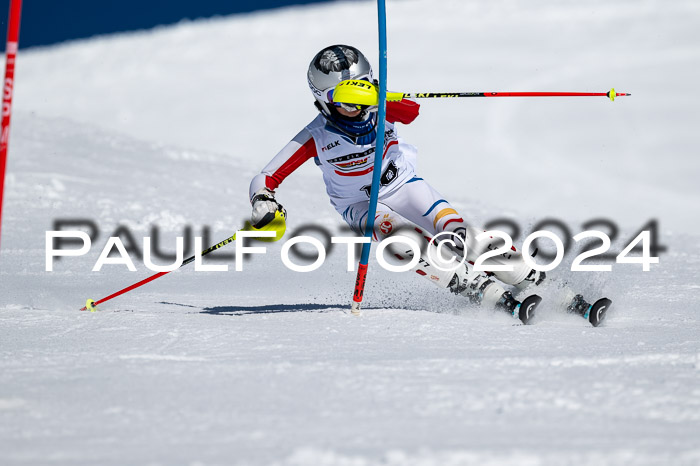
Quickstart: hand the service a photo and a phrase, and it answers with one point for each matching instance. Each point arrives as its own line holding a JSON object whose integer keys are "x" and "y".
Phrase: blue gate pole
{"x": 378, "y": 158}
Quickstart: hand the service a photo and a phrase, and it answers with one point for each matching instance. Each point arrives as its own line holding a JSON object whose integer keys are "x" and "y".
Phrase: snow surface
{"x": 166, "y": 128}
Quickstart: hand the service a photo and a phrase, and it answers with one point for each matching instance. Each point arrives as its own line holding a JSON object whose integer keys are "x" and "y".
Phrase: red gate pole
{"x": 8, "y": 85}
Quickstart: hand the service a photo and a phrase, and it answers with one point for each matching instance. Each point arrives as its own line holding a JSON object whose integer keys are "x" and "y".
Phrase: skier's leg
{"x": 388, "y": 222}
{"x": 477, "y": 286}
{"x": 421, "y": 204}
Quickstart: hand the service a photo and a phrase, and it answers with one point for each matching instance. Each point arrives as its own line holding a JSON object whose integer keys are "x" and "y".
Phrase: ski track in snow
{"x": 267, "y": 366}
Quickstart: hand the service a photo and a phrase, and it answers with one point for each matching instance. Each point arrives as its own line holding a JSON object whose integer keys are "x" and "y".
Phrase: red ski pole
{"x": 92, "y": 304}
{"x": 272, "y": 231}
{"x": 611, "y": 94}
{"x": 353, "y": 91}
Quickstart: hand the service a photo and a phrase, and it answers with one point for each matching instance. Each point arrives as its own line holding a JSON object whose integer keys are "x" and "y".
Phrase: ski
{"x": 526, "y": 309}
{"x": 594, "y": 313}
{"x": 523, "y": 310}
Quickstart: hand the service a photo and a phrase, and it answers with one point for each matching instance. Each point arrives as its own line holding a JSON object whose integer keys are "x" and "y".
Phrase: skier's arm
{"x": 262, "y": 187}
{"x": 292, "y": 156}
{"x": 403, "y": 111}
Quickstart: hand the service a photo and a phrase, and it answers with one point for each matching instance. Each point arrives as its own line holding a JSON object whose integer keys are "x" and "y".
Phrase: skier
{"x": 341, "y": 141}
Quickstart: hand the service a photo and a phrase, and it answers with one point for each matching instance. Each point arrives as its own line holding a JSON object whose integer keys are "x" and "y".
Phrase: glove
{"x": 264, "y": 208}
{"x": 403, "y": 111}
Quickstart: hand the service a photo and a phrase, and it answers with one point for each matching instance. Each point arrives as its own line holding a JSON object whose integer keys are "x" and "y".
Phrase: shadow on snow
{"x": 274, "y": 308}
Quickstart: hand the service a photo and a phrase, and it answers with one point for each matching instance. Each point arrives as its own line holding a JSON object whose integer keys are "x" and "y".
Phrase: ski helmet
{"x": 332, "y": 65}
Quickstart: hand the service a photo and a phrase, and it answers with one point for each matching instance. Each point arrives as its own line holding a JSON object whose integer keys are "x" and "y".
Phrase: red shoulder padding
{"x": 404, "y": 111}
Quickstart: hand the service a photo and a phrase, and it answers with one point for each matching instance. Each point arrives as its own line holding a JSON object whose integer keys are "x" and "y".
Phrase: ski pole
{"x": 91, "y": 304}
{"x": 359, "y": 92}
{"x": 276, "y": 226}
{"x": 378, "y": 157}
{"x": 611, "y": 94}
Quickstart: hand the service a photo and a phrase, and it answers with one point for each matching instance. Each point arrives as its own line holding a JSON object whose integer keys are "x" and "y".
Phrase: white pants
{"x": 417, "y": 204}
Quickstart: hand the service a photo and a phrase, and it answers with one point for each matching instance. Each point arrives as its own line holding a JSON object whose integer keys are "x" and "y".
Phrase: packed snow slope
{"x": 164, "y": 129}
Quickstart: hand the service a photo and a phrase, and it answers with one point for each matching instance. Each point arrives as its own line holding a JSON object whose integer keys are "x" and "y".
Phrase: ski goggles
{"x": 343, "y": 105}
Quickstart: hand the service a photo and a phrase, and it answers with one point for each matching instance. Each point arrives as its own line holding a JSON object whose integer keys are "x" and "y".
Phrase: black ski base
{"x": 597, "y": 312}
{"x": 524, "y": 310}
{"x": 528, "y": 307}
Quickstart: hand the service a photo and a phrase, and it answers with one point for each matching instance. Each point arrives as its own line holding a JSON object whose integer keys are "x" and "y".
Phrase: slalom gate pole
{"x": 91, "y": 304}
{"x": 378, "y": 158}
{"x": 10, "y": 56}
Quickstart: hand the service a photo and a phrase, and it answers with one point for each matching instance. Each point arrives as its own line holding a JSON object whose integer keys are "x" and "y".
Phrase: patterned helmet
{"x": 332, "y": 65}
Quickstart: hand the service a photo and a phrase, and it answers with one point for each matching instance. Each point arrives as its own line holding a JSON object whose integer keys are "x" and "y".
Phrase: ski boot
{"x": 595, "y": 313}
{"x": 534, "y": 278}
{"x": 524, "y": 310}
{"x": 481, "y": 290}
